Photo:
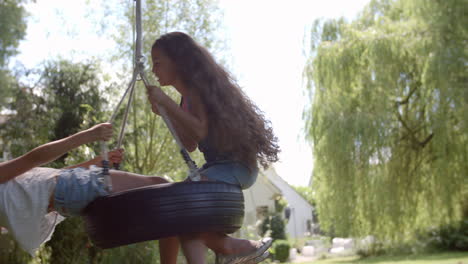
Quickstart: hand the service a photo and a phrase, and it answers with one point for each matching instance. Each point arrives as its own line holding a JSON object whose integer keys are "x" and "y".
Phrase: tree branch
{"x": 406, "y": 100}
{"x": 424, "y": 143}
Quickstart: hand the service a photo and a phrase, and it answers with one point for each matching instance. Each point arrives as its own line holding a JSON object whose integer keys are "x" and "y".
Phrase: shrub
{"x": 450, "y": 237}
{"x": 143, "y": 252}
{"x": 280, "y": 204}
{"x": 276, "y": 225}
{"x": 281, "y": 250}
{"x": 373, "y": 249}
{"x": 70, "y": 243}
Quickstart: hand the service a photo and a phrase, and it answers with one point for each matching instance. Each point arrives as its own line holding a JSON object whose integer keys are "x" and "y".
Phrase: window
{"x": 262, "y": 212}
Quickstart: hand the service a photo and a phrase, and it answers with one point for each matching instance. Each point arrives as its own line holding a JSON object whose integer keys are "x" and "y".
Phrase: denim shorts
{"x": 76, "y": 188}
{"x": 231, "y": 172}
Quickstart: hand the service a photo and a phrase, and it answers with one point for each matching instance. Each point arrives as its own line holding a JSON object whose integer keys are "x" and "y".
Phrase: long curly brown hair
{"x": 235, "y": 123}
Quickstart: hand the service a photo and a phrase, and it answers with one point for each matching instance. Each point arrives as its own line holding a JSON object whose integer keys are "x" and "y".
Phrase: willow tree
{"x": 388, "y": 118}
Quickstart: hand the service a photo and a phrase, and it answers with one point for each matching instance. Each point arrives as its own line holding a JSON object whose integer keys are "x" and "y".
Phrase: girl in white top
{"x": 27, "y": 190}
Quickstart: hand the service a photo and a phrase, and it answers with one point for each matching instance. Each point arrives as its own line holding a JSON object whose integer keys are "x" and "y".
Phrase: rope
{"x": 139, "y": 70}
{"x": 124, "y": 122}
{"x": 193, "y": 169}
{"x": 194, "y": 175}
{"x": 105, "y": 166}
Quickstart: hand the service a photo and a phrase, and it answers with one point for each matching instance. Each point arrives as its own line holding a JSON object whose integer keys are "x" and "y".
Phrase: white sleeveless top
{"x": 23, "y": 208}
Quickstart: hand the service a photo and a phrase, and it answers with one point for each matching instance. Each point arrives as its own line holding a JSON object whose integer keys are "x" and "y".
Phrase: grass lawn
{"x": 435, "y": 258}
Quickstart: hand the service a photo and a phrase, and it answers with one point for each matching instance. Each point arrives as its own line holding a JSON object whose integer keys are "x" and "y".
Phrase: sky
{"x": 265, "y": 40}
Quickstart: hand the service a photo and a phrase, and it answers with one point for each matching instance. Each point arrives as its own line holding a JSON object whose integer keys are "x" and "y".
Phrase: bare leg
{"x": 168, "y": 250}
{"x": 122, "y": 180}
{"x": 227, "y": 249}
{"x": 224, "y": 244}
{"x": 194, "y": 249}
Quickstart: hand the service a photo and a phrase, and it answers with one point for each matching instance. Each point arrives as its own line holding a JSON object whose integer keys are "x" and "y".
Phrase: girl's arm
{"x": 115, "y": 156}
{"x": 190, "y": 127}
{"x": 52, "y": 150}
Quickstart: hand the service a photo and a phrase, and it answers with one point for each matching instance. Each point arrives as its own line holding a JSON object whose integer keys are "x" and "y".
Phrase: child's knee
{"x": 158, "y": 180}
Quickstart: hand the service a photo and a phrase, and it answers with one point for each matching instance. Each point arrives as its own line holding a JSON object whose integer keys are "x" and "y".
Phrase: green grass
{"x": 435, "y": 258}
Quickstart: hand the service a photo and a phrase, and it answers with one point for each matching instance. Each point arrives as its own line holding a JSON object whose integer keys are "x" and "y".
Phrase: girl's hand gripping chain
{"x": 155, "y": 95}
{"x": 100, "y": 132}
{"x": 103, "y": 132}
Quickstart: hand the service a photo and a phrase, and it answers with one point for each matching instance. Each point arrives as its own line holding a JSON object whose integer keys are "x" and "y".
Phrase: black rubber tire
{"x": 164, "y": 210}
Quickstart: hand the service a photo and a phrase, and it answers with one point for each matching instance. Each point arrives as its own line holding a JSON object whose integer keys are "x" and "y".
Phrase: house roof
{"x": 281, "y": 184}
{"x": 269, "y": 184}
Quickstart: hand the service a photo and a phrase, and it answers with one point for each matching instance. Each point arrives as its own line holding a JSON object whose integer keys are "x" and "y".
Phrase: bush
{"x": 11, "y": 252}
{"x": 371, "y": 250}
{"x": 280, "y": 204}
{"x": 275, "y": 224}
{"x": 143, "y": 252}
{"x": 281, "y": 250}
{"x": 70, "y": 243}
{"x": 451, "y": 237}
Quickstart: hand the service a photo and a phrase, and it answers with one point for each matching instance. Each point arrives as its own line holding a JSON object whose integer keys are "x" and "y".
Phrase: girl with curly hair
{"x": 216, "y": 116}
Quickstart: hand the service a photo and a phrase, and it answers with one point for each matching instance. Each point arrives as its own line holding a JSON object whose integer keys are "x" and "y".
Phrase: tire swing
{"x": 163, "y": 210}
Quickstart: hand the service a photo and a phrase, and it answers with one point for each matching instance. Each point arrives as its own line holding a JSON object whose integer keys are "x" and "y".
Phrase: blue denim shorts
{"x": 231, "y": 172}
{"x": 76, "y": 188}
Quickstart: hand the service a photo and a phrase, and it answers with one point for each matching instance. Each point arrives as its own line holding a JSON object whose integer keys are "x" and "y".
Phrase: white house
{"x": 260, "y": 199}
